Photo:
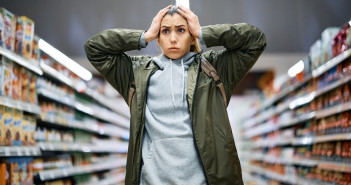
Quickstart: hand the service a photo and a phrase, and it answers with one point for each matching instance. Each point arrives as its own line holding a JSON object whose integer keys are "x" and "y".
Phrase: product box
{"x": 6, "y": 85}
{"x": 2, "y": 127}
{"x": 2, "y": 24}
{"x": 35, "y": 49}
{"x": 8, "y": 35}
{"x": 16, "y": 82}
{"x": 24, "y": 73}
{"x": 33, "y": 98}
{"x": 25, "y": 131}
{"x": 315, "y": 54}
{"x": 31, "y": 130}
{"x": 21, "y": 170}
{"x": 327, "y": 37}
{"x": 24, "y": 36}
{"x": 17, "y": 128}
{"x": 8, "y": 126}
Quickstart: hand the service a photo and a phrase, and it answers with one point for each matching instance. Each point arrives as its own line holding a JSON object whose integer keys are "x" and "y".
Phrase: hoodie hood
{"x": 162, "y": 61}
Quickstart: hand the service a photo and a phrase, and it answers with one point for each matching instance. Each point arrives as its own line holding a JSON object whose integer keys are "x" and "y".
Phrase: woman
{"x": 179, "y": 128}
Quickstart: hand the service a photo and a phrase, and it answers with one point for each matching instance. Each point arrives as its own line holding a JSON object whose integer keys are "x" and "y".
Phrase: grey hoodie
{"x": 168, "y": 150}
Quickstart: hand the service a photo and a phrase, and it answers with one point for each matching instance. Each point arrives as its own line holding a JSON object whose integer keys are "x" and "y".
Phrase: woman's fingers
{"x": 152, "y": 33}
{"x": 193, "y": 21}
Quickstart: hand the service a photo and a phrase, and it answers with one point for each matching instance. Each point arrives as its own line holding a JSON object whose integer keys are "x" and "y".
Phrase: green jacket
{"x": 212, "y": 132}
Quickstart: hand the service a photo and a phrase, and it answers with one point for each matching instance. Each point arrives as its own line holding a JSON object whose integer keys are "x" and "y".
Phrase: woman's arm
{"x": 106, "y": 50}
{"x": 243, "y": 45}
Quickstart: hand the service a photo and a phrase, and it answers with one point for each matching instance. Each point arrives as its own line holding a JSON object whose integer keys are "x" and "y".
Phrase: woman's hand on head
{"x": 193, "y": 21}
{"x": 152, "y": 33}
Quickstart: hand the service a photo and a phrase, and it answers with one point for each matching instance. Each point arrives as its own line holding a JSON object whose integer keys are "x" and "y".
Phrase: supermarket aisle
{"x": 300, "y": 133}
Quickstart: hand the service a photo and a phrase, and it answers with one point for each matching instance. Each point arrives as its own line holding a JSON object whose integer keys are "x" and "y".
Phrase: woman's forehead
{"x": 173, "y": 20}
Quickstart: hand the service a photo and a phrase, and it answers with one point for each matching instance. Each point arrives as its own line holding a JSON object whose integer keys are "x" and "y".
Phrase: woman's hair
{"x": 193, "y": 48}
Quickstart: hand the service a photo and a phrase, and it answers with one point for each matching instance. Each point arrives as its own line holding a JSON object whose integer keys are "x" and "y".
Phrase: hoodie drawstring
{"x": 183, "y": 81}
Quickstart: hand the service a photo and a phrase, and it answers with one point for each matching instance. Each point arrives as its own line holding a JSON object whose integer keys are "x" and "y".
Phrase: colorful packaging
{"x": 9, "y": 29}
{"x": 2, "y": 24}
{"x": 24, "y": 36}
{"x": 33, "y": 98}
{"x": 327, "y": 37}
{"x": 17, "y": 128}
{"x": 315, "y": 54}
{"x": 31, "y": 130}
{"x": 2, "y": 128}
{"x": 21, "y": 171}
{"x": 35, "y": 49}
{"x": 6, "y": 89}
{"x": 25, "y": 131}
{"x": 24, "y": 73}
{"x": 8, "y": 126}
{"x": 16, "y": 82}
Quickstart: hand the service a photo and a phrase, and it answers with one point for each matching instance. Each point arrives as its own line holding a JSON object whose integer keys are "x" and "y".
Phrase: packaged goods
{"x": 327, "y": 37}
{"x": 315, "y": 54}
{"x": 35, "y": 49}
{"x": 31, "y": 130}
{"x": 16, "y": 82}
{"x": 8, "y": 36}
{"x": 17, "y": 128}
{"x": 25, "y": 131}
{"x": 24, "y": 36}
{"x": 2, "y": 24}
{"x": 342, "y": 40}
{"x": 24, "y": 84}
{"x": 6, "y": 85}
{"x": 2, "y": 126}
{"x": 21, "y": 170}
{"x": 33, "y": 98}
{"x": 8, "y": 125}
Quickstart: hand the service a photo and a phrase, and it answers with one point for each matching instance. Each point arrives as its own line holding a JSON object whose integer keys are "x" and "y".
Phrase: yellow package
{"x": 8, "y": 126}
{"x": 31, "y": 130}
{"x": 24, "y": 36}
{"x": 17, "y": 128}
{"x": 25, "y": 131}
{"x": 2, "y": 128}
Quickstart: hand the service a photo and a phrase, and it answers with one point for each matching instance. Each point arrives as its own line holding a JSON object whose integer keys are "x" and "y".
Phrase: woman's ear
{"x": 193, "y": 40}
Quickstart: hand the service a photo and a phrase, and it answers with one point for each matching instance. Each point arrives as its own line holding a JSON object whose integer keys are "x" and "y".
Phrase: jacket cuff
{"x": 201, "y": 38}
{"x": 142, "y": 42}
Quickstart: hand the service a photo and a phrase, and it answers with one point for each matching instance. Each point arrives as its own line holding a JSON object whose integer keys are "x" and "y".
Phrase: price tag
{"x": 7, "y": 151}
{"x": 26, "y": 150}
{"x": 64, "y": 146}
{"x": 19, "y": 151}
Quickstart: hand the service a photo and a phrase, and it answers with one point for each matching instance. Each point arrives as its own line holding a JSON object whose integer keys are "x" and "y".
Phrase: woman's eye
{"x": 165, "y": 31}
{"x": 181, "y": 30}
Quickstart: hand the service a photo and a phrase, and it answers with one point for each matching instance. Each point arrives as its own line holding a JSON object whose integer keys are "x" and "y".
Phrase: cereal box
{"x": 8, "y": 126}
{"x": 16, "y": 82}
{"x": 35, "y": 49}
{"x": 2, "y": 128}
{"x": 24, "y": 36}
{"x": 6, "y": 88}
{"x": 24, "y": 73}
{"x": 17, "y": 128}
{"x": 31, "y": 130}
{"x": 25, "y": 131}
{"x": 9, "y": 29}
{"x": 33, "y": 98}
{"x": 1, "y": 28}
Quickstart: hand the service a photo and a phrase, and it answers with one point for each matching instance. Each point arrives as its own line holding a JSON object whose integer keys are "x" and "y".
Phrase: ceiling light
{"x": 183, "y": 2}
{"x": 64, "y": 60}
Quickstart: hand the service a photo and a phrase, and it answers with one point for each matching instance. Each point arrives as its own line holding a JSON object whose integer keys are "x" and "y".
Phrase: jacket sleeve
{"x": 105, "y": 51}
{"x": 243, "y": 45}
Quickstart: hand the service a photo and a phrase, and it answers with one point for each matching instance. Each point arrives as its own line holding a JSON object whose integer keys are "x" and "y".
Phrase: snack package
{"x": 8, "y": 126}
{"x": 6, "y": 88}
{"x": 31, "y": 130}
{"x": 2, "y": 24}
{"x": 21, "y": 171}
{"x": 8, "y": 36}
{"x": 17, "y": 128}
{"x": 2, "y": 128}
{"x": 327, "y": 37}
{"x": 16, "y": 82}
{"x": 24, "y": 36}
{"x": 25, "y": 131}
{"x": 24, "y": 73}
{"x": 35, "y": 49}
{"x": 33, "y": 98}
{"x": 315, "y": 54}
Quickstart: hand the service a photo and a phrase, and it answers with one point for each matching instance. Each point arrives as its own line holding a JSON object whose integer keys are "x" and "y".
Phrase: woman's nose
{"x": 173, "y": 38}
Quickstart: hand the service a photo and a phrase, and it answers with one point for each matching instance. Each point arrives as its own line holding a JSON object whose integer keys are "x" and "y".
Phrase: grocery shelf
{"x": 15, "y": 151}
{"x": 57, "y": 75}
{"x": 340, "y": 167}
{"x": 331, "y": 63}
{"x": 341, "y": 81}
{"x": 301, "y": 118}
{"x": 28, "y": 107}
{"x": 333, "y": 110}
{"x": 111, "y": 180}
{"x": 273, "y": 175}
{"x": 53, "y": 96}
{"x": 90, "y": 127}
{"x": 334, "y": 137}
{"x": 81, "y": 147}
{"x": 29, "y": 64}
{"x": 81, "y": 169}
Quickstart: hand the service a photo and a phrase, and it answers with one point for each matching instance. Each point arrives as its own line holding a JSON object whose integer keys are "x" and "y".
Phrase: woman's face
{"x": 175, "y": 39}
